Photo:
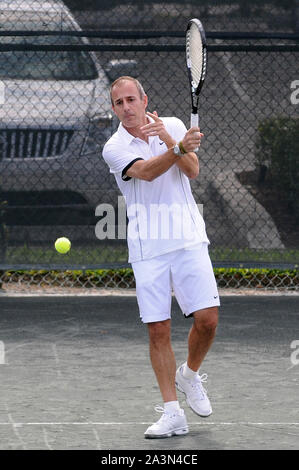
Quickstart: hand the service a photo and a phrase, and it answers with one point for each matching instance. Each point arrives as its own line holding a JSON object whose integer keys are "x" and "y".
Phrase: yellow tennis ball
{"x": 62, "y": 245}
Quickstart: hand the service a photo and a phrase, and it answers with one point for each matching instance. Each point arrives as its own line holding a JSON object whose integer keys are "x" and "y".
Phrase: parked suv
{"x": 55, "y": 115}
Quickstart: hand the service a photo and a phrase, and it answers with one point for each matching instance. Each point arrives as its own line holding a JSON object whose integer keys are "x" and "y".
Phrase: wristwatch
{"x": 177, "y": 151}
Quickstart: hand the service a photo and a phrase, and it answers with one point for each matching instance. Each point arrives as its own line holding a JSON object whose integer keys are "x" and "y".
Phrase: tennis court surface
{"x": 75, "y": 374}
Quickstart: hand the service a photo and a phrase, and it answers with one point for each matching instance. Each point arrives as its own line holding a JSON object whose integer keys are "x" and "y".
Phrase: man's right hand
{"x": 192, "y": 139}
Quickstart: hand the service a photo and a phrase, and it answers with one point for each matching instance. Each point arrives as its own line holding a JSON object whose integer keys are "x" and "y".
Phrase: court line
{"x": 46, "y": 439}
{"x": 133, "y": 423}
{"x": 54, "y": 349}
{"x": 96, "y": 436}
{"x": 14, "y": 427}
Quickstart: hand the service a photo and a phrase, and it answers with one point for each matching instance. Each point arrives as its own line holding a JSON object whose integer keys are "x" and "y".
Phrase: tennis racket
{"x": 196, "y": 58}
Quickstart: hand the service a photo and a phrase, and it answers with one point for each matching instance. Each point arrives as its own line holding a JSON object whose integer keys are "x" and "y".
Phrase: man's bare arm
{"x": 189, "y": 163}
{"x": 150, "y": 169}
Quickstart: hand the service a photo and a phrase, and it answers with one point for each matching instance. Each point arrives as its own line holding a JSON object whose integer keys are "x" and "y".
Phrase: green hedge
{"x": 277, "y": 148}
{"x": 124, "y": 278}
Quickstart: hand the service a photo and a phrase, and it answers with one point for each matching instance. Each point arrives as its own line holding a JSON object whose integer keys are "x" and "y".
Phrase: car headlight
{"x": 99, "y": 131}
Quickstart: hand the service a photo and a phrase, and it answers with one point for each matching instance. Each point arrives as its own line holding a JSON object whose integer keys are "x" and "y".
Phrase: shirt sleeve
{"x": 119, "y": 161}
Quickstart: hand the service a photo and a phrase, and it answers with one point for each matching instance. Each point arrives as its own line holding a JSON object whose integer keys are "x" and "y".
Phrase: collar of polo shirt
{"x": 129, "y": 137}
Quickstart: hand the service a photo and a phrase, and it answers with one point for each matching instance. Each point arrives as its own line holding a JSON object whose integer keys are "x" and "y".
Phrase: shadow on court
{"x": 75, "y": 374}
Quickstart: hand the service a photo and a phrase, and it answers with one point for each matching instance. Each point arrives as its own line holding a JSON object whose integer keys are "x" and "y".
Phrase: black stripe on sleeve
{"x": 123, "y": 173}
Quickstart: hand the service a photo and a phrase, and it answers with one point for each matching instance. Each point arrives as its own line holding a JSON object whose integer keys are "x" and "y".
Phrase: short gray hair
{"x": 131, "y": 79}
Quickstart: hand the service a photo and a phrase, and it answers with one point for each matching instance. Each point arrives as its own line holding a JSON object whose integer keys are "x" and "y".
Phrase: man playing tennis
{"x": 152, "y": 160}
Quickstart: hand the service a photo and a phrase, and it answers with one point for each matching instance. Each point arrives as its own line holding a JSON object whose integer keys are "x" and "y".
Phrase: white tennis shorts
{"x": 186, "y": 272}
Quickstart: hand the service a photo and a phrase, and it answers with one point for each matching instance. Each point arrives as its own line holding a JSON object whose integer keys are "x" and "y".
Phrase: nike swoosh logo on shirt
{"x": 161, "y": 143}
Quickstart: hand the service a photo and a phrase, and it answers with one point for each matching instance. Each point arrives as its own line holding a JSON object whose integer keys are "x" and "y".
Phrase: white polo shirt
{"x": 163, "y": 215}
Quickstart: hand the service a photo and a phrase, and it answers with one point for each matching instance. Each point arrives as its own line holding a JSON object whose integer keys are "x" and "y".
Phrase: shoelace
{"x": 160, "y": 409}
{"x": 197, "y": 386}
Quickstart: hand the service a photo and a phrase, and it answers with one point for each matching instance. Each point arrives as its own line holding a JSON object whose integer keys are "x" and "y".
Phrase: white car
{"x": 55, "y": 113}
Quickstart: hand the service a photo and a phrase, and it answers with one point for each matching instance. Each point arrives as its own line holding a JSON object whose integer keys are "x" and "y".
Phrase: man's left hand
{"x": 157, "y": 128}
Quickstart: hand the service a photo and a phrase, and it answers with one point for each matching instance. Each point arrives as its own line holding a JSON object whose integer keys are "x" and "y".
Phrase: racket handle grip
{"x": 194, "y": 123}
{"x": 194, "y": 120}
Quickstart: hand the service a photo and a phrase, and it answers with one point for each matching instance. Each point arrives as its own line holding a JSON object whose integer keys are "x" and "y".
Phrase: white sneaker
{"x": 170, "y": 424}
{"x": 196, "y": 396}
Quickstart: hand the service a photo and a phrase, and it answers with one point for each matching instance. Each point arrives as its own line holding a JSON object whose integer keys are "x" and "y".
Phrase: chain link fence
{"x": 57, "y": 61}
{"x": 143, "y": 15}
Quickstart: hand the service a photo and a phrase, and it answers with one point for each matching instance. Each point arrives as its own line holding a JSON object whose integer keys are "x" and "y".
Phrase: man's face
{"x": 128, "y": 106}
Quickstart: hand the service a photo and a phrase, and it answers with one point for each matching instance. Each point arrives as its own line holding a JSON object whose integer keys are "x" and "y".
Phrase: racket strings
{"x": 194, "y": 51}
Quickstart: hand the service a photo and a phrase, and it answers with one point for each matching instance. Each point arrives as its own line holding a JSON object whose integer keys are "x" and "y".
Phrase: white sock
{"x": 171, "y": 406}
{"x": 188, "y": 373}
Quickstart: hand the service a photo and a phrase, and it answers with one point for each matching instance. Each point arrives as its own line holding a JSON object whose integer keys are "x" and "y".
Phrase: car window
{"x": 45, "y": 65}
